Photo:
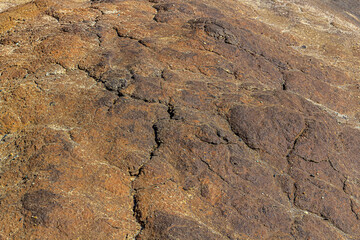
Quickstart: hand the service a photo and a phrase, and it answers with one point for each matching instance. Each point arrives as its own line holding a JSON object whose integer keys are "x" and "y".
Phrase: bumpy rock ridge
{"x": 180, "y": 120}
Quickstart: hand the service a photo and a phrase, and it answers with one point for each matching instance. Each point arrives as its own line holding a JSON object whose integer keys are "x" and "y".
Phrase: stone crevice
{"x": 353, "y": 209}
{"x": 213, "y": 171}
{"x": 38, "y": 86}
{"x": 126, "y": 36}
{"x": 137, "y": 215}
{"x": 292, "y": 149}
{"x": 136, "y": 209}
{"x": 319, "y": 214}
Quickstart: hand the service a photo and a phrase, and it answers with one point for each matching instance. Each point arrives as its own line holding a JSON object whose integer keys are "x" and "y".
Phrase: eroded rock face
{"x": 180, "y": 120}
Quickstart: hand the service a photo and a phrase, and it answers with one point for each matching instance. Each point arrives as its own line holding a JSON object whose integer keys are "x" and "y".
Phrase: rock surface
{"x": 136, "y": 119}
{"x": 6, "y": 4}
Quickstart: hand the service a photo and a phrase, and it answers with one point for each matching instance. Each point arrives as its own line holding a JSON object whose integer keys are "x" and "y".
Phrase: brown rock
{"x": 179, "y": 120}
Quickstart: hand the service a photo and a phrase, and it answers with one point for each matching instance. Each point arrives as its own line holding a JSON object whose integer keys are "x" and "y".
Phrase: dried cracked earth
{"x": 188, "y": 119}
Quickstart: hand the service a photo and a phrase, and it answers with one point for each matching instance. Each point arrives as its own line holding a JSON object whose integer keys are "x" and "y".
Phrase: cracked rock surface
{"x": 159, "y": 119}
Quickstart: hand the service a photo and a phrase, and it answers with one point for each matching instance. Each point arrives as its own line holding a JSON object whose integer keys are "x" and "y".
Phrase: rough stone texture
{"x": 124, "y": 119}
{"x": 6, "y": 4}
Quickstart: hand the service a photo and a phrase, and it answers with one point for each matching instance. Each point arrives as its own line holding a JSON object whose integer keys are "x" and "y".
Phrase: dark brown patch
{"x": 40, "y": 203}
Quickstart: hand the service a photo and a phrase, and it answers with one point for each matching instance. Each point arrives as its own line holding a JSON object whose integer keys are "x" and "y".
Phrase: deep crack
{"x": 136, "y": 209}
{"x": 171, "y": 111}
{"x": 157, "y": 141}
{"x": 137, "y": 215}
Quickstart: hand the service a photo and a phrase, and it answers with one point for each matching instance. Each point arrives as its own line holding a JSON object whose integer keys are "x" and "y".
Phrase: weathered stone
{"x": 179, "y": 119}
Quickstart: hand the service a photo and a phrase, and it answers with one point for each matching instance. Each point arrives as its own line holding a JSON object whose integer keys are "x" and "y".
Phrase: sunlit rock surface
{"x": 180, "y": 119}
